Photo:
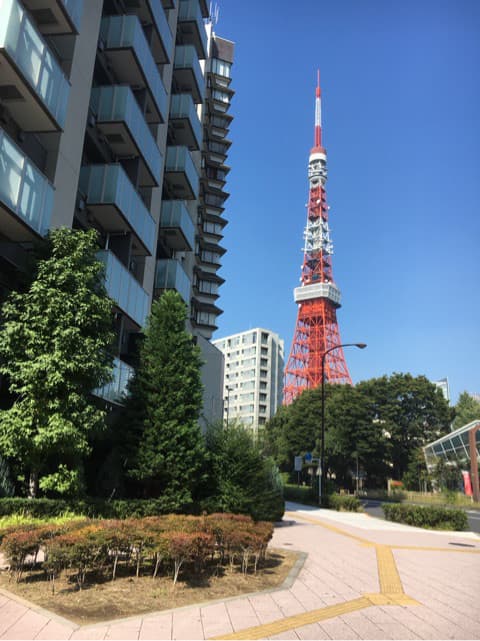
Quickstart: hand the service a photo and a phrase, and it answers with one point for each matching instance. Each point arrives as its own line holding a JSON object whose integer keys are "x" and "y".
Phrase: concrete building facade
{"x": 253, "y": 378}
{"x": 114, "y": 115}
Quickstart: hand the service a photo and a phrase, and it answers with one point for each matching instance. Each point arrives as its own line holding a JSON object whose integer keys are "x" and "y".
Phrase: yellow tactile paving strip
{"x": 391, "y": 589}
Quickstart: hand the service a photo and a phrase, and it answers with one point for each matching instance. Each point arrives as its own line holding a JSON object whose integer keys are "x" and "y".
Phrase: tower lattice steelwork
{"x": 318, "y": 297}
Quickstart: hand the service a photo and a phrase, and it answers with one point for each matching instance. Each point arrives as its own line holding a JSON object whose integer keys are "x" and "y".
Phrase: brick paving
{"x": 362, "y": 578}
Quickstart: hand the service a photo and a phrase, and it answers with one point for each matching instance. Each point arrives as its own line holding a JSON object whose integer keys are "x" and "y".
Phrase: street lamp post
{"x": 229, "y": 389}
{"x": 321, "y": 497}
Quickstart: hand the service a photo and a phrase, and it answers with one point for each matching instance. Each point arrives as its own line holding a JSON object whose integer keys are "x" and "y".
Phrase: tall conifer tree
{"x": 164, "y": 442}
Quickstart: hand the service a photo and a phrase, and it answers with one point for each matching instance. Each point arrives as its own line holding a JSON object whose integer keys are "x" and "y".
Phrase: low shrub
{"x": 151, "y": 544}
{"x": 300, "y": 494}
{"x": 430, "y": 517}
{"x": 344, "y": 503}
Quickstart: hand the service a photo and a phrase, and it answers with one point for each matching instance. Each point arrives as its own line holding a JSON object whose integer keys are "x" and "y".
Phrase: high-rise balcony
{"x": 26, "y": 196}
{"x": 126, "y": 291}
{"x": 170, "y": 274}
{"x": 190, "y": 28}
{"x": 116, "y": 205}
{"x": 184, "y": 125}
{"x": 32, "y": 84}
{"x": 176, "y": 227}
{"x": 187, "y": 73}
{"x": 119, "y": 118}
{"x": 55, "y": 17}
{"x": 151, "y": 12}
{"x": 132, "y": 61}
{"x": 117, "y": 388}
{"x": 180, "y": 177}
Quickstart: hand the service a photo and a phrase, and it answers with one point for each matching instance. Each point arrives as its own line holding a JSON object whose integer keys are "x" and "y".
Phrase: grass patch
{"x": 102, "y": 599}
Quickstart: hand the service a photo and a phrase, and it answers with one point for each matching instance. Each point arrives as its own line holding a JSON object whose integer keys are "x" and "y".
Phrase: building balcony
{"x": 117, "y": 388}
{"x": 205, "y": 315}
{"x": 187, "y": 74}
{"x": 151, "y": 12}
{"x": 56, "y": 17}
{"x": 32, "y": 83}
{"x": 116, "y": 205}
{"x": 176, "y": 227}
{"x": 204, "y": 8}
{"x": 119, "y": 118}
{"x": 169, "y": 4}
{"x": 181, "y": 179}
{"x": 190, "y": 28}
{"x": 26, "y": 196}
{"x": 124, "y": 289}
{"x": 184, "y": 126}
{"x": 129, "y": 54}
{"x": 170, "y": 274}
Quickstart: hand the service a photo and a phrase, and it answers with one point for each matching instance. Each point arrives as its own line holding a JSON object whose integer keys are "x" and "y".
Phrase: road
{"x": 374, "y": 509}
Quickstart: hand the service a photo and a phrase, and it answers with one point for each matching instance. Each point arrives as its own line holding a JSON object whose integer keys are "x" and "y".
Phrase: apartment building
{"x": 114, "y": 115}
{"x": 253, "y": 379}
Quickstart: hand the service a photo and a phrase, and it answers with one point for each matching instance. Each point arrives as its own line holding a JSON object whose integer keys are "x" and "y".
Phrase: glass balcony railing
{"x": 179, "y": 161}
{"x": 74, "y": 9}
{"x": 109, "y": 185}
{"x": 117, "y": 388}
{"x": 186, "y": 60}
{"x": 162, "y": 28}
{"x": 24, "y": 190}
{"x": 29, "y": 51}
{"x": 122, "y": 32}
{"x": 121, "y": 285}
{"x": 183, "y": 107}
{"x": 116, "y": 103}
{"x": 189, "y": 11}
{"x": 174, "y": 215}
{"x": 170, "y": 274}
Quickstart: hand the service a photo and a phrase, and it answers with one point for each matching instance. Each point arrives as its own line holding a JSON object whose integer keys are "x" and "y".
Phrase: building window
{"x": 221, "y": 68}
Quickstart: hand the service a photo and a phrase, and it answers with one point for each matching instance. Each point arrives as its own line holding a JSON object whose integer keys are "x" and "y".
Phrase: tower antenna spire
{"x": 316, "y": 333}
{"x": 318, "y": 113}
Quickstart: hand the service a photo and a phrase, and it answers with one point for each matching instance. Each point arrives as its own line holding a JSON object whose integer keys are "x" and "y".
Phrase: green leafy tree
{"x": 353, "y": 436}
{"x": 412, "y": 411}
{"x": 294, "y": 430}
{"x": 417, "y": 478}
{"x": 467, "y": 410}
{"x": 55, "y": 345}
{"x": 240, "y": 478}
{"x": 165, "y": 447}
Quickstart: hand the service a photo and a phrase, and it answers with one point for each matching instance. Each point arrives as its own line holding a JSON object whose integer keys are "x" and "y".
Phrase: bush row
{"x": 91, "y": 507}
{"x": 431, "y": 517}
{"x": 152, "y": 544}
{"x": 300, "y": 494}
{"x": 344, "y": 503}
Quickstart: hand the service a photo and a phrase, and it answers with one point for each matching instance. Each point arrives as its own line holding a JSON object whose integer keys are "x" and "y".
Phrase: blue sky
{"x": 400, "y": 108}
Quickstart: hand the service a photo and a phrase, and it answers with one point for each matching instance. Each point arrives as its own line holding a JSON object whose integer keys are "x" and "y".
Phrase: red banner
{"x": 467, "y": 483}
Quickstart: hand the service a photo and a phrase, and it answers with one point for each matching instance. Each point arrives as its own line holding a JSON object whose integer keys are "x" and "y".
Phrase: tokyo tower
{"x": 318, "y": 297}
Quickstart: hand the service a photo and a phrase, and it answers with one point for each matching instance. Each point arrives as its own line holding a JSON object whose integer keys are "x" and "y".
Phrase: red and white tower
{"x": 318, "y": 297}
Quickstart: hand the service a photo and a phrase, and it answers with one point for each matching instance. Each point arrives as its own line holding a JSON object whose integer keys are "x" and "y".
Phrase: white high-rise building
{"x": 253, "y": 375}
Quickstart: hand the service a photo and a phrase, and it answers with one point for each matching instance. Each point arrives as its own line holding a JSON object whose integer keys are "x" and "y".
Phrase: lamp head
{"x": 361, "y": 345}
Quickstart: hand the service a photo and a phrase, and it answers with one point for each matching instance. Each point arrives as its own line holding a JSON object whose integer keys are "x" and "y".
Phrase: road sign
{"x": 308, "y": 457}
{"x": 298, "y": 463}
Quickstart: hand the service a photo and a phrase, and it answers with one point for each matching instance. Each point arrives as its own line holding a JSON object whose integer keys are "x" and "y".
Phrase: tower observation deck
{"x": 318, "y": 297}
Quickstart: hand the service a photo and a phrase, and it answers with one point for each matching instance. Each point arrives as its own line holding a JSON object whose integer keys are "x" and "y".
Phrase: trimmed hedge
{"x": 344, "y": 503}
{"x": 93, "y": 508}
{"x": 430, "y": 517}
{"x": 300, "y": 494}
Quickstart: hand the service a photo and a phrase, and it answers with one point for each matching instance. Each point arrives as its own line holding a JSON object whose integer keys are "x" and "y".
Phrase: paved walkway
{"x": 359, "y": 578}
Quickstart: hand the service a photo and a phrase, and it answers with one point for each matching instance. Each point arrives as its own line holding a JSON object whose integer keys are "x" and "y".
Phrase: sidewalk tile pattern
{"x": 362, "y": 579}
